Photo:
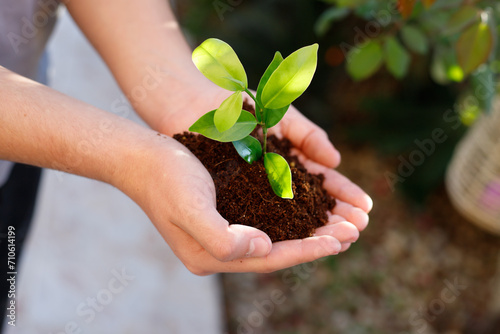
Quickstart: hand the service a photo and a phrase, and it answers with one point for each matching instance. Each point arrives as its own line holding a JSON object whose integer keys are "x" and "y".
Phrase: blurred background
{"x": 406, "y": 90}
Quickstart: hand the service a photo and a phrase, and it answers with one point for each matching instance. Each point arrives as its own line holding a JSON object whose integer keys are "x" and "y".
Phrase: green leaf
{"x": 242, "y": 128}
{"x": 474, "y": 47}
{"x": 273, "y": 116}
{"x": 249, "y": 148}
{"x": 219, "y": 63}
{"x": 291, "y": 78}
{"x": 279, "y": 175}
{"x": 444, "y": 66}
{"x": 228, "y": 112}
{"x": 396, "y": 57}
{"x": 414, "y": 39}
{"x": 484, "y": 87}
{"x": 364, "y": 60}
{"x": 329, "y": 16}
{"x": 278, "y": 59}
{"x": 461, "y": 19}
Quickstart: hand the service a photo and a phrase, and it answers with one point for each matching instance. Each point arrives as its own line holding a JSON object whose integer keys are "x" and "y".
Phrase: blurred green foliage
{"x": 459, "y": 37}
{"x": 395, "y": 89}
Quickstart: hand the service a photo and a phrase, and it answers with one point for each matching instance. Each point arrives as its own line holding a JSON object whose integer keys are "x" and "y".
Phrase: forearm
{"x": 42, "y": 127}
{"x": 145, "y": 49}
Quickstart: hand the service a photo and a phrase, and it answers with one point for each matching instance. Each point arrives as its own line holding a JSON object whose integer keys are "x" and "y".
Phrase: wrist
{"x": 188, "y": 105}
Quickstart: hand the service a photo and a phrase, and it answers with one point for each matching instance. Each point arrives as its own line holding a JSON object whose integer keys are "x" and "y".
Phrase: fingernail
{"x": 258, "y": 247}
{"x": 330, "y": 245}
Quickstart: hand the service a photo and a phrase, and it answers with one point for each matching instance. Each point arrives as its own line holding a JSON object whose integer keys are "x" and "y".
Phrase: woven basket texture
{"x": 473, "y": 176}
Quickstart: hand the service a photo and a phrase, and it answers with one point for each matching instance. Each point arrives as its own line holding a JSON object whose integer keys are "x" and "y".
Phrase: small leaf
{"x": 242, "y": 128}
{"x": 329, "y": 16}
{"x": 273, "y": 116}
{"x": 364, "y": 60}
{"x": 279, "y": 175}
{"x": 474, "y": 46}
{"x": 414, "y": 39}
{"x": 396, "y": 57}
{"x": 444, "y": 66}
{"x": 249, "y": 148}
{"x": 405, "y": 7}
{"x": 291, "y": 78}
{"x": 438, "y": 69}
{"x": 461, "y": 19}
{"x": 219, "y": 63}
{"x": 228, "y": 112}
{"x": 484, "y": 87}
{"x": 278, "y": 59}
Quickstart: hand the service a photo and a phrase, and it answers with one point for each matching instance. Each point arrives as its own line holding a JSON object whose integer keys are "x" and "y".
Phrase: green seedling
{"x": 283, "y": 81}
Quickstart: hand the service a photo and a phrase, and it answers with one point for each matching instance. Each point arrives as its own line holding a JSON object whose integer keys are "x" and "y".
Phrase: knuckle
{"x": 223, "y": 251}
{"x": 197, "y": 270}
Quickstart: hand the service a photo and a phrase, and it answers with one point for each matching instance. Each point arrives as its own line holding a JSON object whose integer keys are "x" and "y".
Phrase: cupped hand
{"x": 178, "y": 195}
{"x": 206, "y": 243}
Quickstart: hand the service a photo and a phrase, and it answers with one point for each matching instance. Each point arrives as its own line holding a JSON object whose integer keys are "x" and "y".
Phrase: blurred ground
{"x": 413, "y": 270}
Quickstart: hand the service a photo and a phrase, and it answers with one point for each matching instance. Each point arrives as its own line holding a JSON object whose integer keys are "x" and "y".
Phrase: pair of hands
{"x": 182, "y": 205}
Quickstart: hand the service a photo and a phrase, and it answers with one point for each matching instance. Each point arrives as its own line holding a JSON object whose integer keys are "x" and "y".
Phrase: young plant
{"x": 283, "y": 81}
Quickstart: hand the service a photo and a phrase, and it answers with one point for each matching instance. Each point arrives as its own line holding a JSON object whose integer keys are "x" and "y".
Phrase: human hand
{"x": 318, "y": 154}
{"x": 311, "y": 143}
{"x": 177, "y": 193}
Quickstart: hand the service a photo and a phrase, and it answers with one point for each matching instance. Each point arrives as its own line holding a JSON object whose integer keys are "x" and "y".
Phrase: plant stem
{"x": 264, "y": 133}
{"x": 260, "y": 110}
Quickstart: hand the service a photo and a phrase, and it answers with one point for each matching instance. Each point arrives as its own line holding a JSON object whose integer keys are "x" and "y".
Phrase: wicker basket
{"x": 473, "y": 176}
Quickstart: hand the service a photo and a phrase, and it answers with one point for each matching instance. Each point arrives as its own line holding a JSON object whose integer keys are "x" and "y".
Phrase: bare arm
{"x": 42, "y": 127}
{"x": 139, "y": 40}
{"x": 142, "y": 45}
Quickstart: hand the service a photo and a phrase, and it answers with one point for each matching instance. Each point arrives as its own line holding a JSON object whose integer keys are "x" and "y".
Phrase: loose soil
{"x": 244, "y": 195}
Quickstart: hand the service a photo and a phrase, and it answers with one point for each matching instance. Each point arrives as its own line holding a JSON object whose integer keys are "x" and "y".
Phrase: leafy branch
{"x": 284, "y": 80}
{"x": 458, "y": 36}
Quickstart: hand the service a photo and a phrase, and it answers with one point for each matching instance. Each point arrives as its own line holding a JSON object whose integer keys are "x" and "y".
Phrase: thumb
{"x": 229, "y": 242}
{"x": 197, "y": 215}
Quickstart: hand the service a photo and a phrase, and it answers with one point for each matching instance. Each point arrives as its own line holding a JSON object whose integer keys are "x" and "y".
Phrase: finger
{"x": 228, "y": 242}
{"x": 352, "y": 214}
{"x": 198, "y": 217}
{"x": 283, "y": 255}
{"x": 309, "y": 138}
{"x": 334, "y": 219}
{"x": 345, "y": 246}
{"x": 343, "y": 231}
{"x": 293, "y": 252}
{"x": 340, "y": 186}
